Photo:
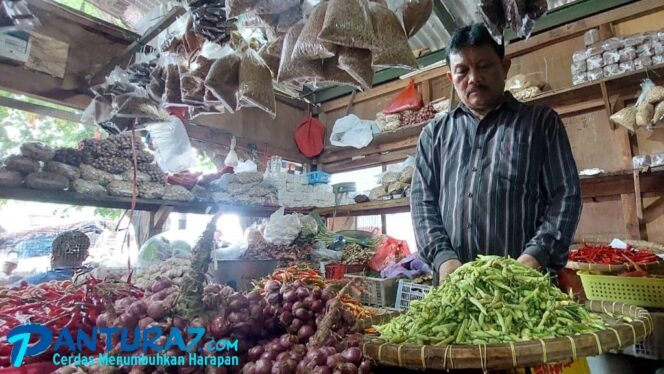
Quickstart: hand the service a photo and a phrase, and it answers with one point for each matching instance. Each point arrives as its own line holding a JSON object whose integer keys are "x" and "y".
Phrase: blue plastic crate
{"x": 318, "y": 177}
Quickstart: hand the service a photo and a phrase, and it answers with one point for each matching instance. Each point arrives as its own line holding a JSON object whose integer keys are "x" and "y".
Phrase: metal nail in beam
{"x": 150, "y": 34}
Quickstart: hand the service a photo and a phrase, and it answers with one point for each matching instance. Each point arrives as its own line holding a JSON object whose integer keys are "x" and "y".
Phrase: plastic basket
{"x": 648, "y": 292}
{"x": 409, "y": 291}
{"x": 653, "y": 346}
{"x": 318, "y": 177}
{"x": 337, "y": 271}
{"x": 375, "y": 291}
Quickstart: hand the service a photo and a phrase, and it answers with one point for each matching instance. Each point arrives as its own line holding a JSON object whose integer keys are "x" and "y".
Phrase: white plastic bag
{"x": 282, "y": 229}
{"x": 231, "y": 158}
{"x": 232, "y": 252}
{"x": 247, "y": 166}
{"x": 174, "y": 152}
{"x": 351, "y": 131}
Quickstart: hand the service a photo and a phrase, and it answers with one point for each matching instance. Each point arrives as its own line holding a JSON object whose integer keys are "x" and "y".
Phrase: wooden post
{"x": 158, "y": 218}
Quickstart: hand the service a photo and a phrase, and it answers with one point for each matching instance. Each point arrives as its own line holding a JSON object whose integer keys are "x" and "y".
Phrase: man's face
{"x": 478, "y": 75}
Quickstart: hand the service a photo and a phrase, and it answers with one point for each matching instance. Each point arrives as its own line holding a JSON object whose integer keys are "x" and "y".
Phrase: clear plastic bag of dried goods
{"x": 172, "y": 92}
{"x": 522, "y": 15}
{"x": 138, "y": 105}
{"x": 43, "y": 180}
{"x": 414, "y": 14}
{"x": 646, "y": 86}
{"x": 357, "y": 63}
{"x": 209, "y": 53}
{"x": 99, "y": 110}
{"x": 116, "y": 83}
{"x": 274, "y": 6}
{"x": 286, "y": 19}
{"x": 627, "y": 54}
{"x": 173, "y": 150}
{"x": 333, "y": 75}
{"x": 290, "y": 68}
{"x": 626, "y": 117}
{"x": 256, "y": 84}
{"x": 535, "y": 9}
{"x": 308, "y": 46}
{"x": 235, "y": 8}
{"x": 491, "y": 12}
{"x": 348, "y": 23}
{"x": 579, "y": 67}
{"x": 223, "y": 80}
{"x": 271, "y": 61}
{"x": 391, "y": 48}
{"x": 10, "y": 178}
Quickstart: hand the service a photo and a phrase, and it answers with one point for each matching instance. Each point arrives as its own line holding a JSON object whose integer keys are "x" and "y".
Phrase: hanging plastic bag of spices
{"x": 535, "y": 9}
{"x": 235, "y": 8}
{"x": 308, "y": 46}
{"x": 333, "y": 75}
{"x": 415, "y": 14}
{"x": 223, "y": 80}
{"x": 348, "y": 23}
{"x": 271, "y": 61}
{"x": 357, "y": 63}
{"x": 288, "y": 18}
{"x": 138, "y": 105}
{"x": 157, "y": 84}
{"x": 172, "y": 92}
{"x": 290, "y": 68}
{"x": 391, "y": 47}
{"x": 491, "y": 12}
{"x": 256, "y": 84}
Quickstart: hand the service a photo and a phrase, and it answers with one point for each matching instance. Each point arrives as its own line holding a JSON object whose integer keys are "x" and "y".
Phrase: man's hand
{"x": 529, "y": 261}
{"x": 447, "y": 268}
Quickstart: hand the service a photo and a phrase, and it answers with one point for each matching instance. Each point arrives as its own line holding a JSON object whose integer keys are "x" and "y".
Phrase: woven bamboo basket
{"x": 505, "y": 356}
{"x": 653, "y": 267}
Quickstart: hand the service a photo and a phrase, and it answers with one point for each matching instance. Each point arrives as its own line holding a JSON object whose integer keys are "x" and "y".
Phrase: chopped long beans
{"x": 491, "y": 300}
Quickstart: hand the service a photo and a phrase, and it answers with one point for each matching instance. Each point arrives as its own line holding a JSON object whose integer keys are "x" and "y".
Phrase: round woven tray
{"x": 615, "y": 269}
{"x": 504, "y": 356}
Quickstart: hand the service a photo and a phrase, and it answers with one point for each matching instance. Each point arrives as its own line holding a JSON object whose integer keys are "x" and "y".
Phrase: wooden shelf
{"x": 589, "y": 95}
{"x": 71, "y": 198}
{"x": 369, "y": 208}
{"x": 608, "y": 186}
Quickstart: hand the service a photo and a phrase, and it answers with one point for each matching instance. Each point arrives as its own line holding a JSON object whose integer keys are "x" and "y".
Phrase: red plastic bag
{"x": 408, "y": 99}
{"x": 310, "y": 137}
{"x": 391, "y": 252}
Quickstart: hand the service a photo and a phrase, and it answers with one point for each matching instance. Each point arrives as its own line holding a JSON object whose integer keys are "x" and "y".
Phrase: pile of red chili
{"x": 57, "y": 305}
{"x": 604, "y": 254}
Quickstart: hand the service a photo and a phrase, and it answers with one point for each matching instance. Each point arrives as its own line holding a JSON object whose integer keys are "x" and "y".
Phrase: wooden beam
{"x": 577, "y": 28}
{"x": 150, "y": 34}
{"x": 40, "y": 109}
{"x": 87, "y": 22}
{"x": 629, "y": 215}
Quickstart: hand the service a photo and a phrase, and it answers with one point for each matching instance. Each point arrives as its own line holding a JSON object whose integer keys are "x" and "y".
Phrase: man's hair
{"x": 473, "y": 36}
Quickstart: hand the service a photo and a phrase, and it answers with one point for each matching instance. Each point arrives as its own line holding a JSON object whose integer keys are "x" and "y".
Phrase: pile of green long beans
{"x": 491, "y": 300}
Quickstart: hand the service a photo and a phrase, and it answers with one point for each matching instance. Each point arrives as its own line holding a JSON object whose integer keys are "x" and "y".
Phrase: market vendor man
{"x": 493, "y": 176}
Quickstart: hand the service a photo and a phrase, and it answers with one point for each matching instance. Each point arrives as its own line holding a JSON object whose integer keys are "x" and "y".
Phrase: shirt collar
{"x": 509, "y": 102}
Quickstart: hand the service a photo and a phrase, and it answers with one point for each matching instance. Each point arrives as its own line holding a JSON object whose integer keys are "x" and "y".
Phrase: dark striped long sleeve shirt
{"x": 504, "y": 185}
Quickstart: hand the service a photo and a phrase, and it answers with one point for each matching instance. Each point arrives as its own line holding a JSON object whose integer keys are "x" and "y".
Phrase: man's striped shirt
{"x": 504, "y": 185}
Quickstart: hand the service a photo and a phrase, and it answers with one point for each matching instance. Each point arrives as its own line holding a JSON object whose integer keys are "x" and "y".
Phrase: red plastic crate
{"x": 337, "y": 271}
